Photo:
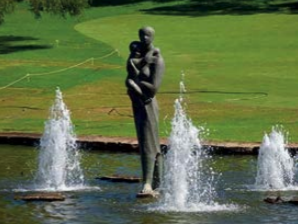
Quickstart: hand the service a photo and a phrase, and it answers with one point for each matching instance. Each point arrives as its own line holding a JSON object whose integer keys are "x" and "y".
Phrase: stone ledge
{"x": 120, "y": 178}
{"x": 41, "y": 196}
{"x": 126, "y": 144}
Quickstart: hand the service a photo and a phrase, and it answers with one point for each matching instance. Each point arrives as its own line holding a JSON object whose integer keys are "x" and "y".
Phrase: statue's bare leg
{"x": 158, "y": 172}
{"x": 148, "y": 165}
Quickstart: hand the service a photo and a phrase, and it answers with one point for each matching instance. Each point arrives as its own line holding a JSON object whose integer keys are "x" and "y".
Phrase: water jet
{"x": 275, "y": 167}
{"x": 59, "y": 166}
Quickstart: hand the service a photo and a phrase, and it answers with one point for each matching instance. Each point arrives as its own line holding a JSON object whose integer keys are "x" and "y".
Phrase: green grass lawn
{"x": 240, "y": 69}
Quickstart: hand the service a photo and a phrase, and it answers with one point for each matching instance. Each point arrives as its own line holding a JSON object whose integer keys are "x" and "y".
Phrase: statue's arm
{"x": 132, "y": 85}
{"x": 157, "y": 71}
{"x": 148, "y": 86}
{"x": 135, "y": 70}
{"x": 131, "y": 80}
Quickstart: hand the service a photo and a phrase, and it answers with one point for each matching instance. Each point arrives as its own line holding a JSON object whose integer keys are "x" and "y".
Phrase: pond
{"x": 108, "y": 202}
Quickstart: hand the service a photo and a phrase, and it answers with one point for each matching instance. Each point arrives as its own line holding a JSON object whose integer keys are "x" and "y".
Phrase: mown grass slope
{"x": 240, "y": 69}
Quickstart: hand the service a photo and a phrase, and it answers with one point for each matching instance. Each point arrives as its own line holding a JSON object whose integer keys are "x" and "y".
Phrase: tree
{"x": 60, "y": 7}
{"x": 6, "y": 6}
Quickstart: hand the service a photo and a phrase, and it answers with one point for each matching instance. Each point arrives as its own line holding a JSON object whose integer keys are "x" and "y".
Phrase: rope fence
{"x": 28, "y": 75}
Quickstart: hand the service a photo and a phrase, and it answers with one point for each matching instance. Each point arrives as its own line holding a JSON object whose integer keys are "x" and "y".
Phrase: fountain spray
{"x": 276, "y": 168}
{"x": 189, "y": 181}
{"x": 59, "y": 159}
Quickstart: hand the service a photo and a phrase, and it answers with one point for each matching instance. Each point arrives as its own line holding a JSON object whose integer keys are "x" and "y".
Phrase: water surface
{"x": 106, "y": 202}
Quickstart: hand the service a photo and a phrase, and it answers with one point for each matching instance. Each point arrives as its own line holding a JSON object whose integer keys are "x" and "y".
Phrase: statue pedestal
{"x": 119, "y": 178}
{"x": 279, "y": 200}
{"x": 152, "y": 194}
{"x": 41, "y": 196}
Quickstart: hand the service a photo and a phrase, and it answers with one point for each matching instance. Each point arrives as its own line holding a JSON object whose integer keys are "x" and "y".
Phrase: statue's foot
{"x": 147, "y": 189}
{"x": 147, "y": 192}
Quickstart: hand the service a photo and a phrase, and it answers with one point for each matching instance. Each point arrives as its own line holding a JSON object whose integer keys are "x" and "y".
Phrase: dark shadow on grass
{"x": 98, "y": 3}
{"x": 251, "y": 95}
{"x": 22, "y": 108}
{"x": 12, "y": 44}
{"x": 215, "y": 92}
{"x": 222, "y": 7}
{"x": 208, "y": 7}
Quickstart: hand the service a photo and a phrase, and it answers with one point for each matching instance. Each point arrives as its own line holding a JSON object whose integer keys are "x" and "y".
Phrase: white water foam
{"x": 275, "y": 168}
{"x": 188, "y": 184}
{"x": 59, "y": 158}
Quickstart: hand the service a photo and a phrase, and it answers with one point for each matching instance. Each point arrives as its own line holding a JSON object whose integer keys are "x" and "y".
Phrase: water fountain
{"x": 59, "y": 159}
{"x": 189, "y": 182}
{"x": 275, "y": 167}
{"x": 117, "y": 201}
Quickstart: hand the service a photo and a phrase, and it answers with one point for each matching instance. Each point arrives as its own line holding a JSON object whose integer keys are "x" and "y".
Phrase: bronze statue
{"x": 145, "y": 67}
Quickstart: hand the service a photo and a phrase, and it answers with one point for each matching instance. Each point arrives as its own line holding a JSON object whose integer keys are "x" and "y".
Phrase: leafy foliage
{"x": 6, "y": 6}
{"x": 60, "y": 7}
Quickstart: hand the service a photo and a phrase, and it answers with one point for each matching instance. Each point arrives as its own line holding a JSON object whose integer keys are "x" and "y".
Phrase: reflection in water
{"x": 66, "y": 211}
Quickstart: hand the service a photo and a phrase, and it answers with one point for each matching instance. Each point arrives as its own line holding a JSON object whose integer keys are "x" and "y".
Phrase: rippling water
{"x": 106, "y": 202}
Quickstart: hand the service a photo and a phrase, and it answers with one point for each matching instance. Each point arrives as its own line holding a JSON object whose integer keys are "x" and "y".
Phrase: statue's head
{"x": 146, "y": 35}
{"x": 135, "y": 48}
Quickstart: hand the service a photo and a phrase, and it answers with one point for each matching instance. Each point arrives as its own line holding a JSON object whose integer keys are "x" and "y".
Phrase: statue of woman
{"x": 145, "y": 67}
